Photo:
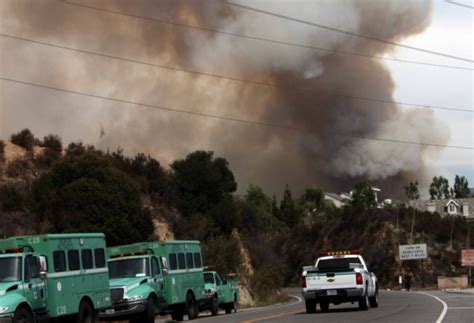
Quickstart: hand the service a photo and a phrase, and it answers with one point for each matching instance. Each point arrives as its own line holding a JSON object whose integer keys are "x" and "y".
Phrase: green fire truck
{"x": 53, "y": 276}
{"x": 221, "y": 293}
{"x": 149, "y": 278}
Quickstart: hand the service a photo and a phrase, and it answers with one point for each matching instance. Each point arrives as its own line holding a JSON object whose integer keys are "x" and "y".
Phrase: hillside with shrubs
{"x": 46, "y": 186}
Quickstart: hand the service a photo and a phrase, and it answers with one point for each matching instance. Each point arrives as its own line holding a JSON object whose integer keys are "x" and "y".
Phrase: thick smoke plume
{"x": 329, "y": 153}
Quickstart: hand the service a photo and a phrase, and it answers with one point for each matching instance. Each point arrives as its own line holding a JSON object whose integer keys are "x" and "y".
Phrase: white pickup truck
{"x": 337, "y": 279}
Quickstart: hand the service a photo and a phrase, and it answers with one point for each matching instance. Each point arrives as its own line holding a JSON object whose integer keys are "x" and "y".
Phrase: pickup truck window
{"x": 208, "y": 278}
{"x": 10, "y": 269}
{"x": 337, "y": 264}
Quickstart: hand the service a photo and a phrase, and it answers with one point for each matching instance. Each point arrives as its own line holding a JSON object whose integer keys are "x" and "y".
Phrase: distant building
{"x": 452, "y": 206}
{"x": 339, "y": 200}
{"x": 342, "y": 199}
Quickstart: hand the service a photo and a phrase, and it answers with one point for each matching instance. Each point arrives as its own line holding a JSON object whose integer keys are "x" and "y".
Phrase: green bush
{"x": 24, "y": 139}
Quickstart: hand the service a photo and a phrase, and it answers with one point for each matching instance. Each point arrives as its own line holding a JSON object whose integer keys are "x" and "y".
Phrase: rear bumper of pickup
{"x": 341, "y": 296}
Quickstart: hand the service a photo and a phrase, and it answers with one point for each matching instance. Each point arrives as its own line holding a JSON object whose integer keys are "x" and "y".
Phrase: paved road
{"x": 395, "y": 306}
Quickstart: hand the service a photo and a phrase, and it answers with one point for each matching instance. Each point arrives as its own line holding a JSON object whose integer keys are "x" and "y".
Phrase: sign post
{"x": 413, "y": 252}
{"x": 467, "y": 260}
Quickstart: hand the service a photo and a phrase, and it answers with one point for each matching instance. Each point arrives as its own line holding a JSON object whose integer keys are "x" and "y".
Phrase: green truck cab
{"x": 155, "y": 278}
{"x": 136, "y": 283}
{"x": 221, "y": 293}
{"x": 53, "y": 276}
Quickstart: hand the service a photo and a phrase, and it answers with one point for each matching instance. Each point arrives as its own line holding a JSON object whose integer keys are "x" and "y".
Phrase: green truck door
{"x": 34, "y": 286}
{"x": 157, "y": 278}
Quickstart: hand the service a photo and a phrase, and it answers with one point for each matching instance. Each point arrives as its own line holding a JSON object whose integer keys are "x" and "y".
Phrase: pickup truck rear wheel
{"x": 22, "y": 315}
{"x": 324, "y": 306}
{"x": 310, "y": 305}
{"x": 364, "y": 303}
{"x": 374, "y": 300}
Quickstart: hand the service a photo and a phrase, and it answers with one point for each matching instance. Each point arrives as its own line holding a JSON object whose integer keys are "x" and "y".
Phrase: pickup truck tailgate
{"x": 330, "y": 280}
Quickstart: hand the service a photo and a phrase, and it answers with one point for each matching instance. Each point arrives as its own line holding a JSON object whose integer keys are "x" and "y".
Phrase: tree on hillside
{"x": 24, "y": 139}
{"x": 53, "y": 149}
{"x": 87, "y": 194}
{"x": 289, "y": 214}
{"x": 256, "y": 195}
{"x": 411, "y": 191}
{"x": 202, "y": 181}
{"x": 78, "y": 148}
{"x": 54, "y": 143}
{"x": 312, "y": 200}
{"x": 461, "y": 187}
{"x": 363, "y": 196}
{"x": 439, "y": 187}
{"x": 275, "y": 208}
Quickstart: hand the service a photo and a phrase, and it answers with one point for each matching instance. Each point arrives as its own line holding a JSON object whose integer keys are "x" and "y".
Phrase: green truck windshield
{"x": 126, "y": 268}
{"x": 10, "y": 269}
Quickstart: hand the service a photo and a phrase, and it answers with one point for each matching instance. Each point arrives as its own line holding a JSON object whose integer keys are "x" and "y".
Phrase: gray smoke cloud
{"x": 329, "y": 153}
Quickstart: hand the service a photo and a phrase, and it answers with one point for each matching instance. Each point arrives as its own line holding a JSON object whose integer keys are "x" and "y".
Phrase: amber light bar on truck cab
{"x": 340, "y": 253}
{"x": 129, "y": 254}
{"x": 16, "y": 250}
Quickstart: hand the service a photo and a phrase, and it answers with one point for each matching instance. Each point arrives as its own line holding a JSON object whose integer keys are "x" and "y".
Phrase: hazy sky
{"x": 451, "y": 31}
{"x": 155, "y": 132}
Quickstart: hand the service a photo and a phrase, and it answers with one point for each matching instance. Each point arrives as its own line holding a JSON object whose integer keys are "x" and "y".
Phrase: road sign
{"x": 467, "y": 258}
{"x": 413, "y": 251}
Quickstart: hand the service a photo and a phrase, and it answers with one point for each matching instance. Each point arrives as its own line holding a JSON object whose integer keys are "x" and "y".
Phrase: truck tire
{"x": 191, "y": 307}
{"x": 374, "y": 300}
{"x": 22, "y": 315}
{"x": 235, "y": 305}
{"x": 324, "y": 306}
{"x": 310, "y": 305}
{"x": 214, "y": 306}
{"x": 364, "y": 303}
{"x": 149, "y": 315}
{"x": 86, "y": 313}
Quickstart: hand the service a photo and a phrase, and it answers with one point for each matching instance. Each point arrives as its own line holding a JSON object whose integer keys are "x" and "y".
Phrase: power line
{"x": 459, "y": 4}
{"x": 235, "y": 79}
{"x": 352, "y": 33}
{"x": 341, "y": 52}
{"x": 225, "y": 118}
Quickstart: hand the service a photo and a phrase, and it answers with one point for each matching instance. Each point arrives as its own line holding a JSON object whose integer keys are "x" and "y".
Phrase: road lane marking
{"x": 445, "y": 307}
{"x": 298, "y": 300}
{"x": 265, "y": 318}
